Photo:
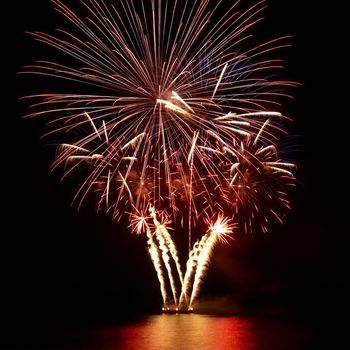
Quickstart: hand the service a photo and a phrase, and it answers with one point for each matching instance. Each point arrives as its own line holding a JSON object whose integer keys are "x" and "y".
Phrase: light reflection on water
{"x": 192, "y": 331}
{"x": 189, "y": 331}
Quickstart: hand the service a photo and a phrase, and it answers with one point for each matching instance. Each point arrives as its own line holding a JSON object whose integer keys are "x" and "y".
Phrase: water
{"x": 193, "y": 331}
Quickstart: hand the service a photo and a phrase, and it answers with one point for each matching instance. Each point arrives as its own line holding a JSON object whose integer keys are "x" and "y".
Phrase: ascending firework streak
{"x": 218, "y": 231}
{"x": 139, "y": 224}
{"x": 200, "y": 256}
{"x": 167, "y": 238}
{"x": 167, "y": 114}
{"x": 161, "y": 233}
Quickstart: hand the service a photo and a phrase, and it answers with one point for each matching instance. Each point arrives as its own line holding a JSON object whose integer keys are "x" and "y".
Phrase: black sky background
{"x": 64, "y": 268}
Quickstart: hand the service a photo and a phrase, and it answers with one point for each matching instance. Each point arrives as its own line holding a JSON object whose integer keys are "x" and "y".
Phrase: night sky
{"x": 65, "y": 268}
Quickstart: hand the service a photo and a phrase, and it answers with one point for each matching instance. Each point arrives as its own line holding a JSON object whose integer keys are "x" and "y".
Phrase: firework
{"x": 169, "y": 118}
{"x": 219, "y": 231}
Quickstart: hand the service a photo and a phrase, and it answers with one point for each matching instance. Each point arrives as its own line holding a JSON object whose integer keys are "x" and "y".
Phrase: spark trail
{"x": 139, "y": 224}
{"x": 218, "y": 231}
{"x": 154, "y": 254}
{"x": 160, "y": 230}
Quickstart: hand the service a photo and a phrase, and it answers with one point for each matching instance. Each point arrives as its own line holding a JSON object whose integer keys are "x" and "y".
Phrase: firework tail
{"x": 159, "y": 232}
{"x": 173, "y": 251}
{"x": 190, "y": 269}
{"x": 209, "y": 241}
{"x": 190, "y": 266}
{"x": 154, "y": 254}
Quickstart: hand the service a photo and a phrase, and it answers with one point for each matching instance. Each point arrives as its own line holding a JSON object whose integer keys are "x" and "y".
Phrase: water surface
{"x": 194, "y": 331}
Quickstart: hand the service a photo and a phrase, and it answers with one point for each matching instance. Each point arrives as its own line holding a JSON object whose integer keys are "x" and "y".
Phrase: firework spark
{"x": 219, "y": 231}
{"x": 179, "y": 118}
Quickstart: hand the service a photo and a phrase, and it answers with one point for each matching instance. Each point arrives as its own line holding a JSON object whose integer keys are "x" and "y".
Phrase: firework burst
{"x": 178, "y": 124}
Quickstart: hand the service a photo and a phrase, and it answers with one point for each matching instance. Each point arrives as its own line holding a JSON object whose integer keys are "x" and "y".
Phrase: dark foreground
{"x": 192, "y": 331}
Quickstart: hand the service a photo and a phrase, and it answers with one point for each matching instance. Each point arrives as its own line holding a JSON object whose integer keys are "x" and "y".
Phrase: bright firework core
{"x": 173, "y": 121}
{"x": 222, "y": 228}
